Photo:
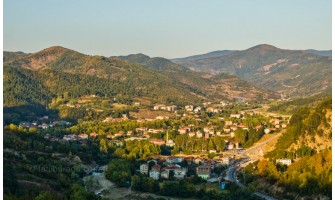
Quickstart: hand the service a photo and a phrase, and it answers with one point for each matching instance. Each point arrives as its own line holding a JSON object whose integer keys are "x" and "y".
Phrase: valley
{"x": 124, "y": 127}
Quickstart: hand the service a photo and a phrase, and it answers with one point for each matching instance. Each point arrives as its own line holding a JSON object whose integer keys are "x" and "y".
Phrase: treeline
{"x": 36, "y": 168}
{"x": 293, "y": 106}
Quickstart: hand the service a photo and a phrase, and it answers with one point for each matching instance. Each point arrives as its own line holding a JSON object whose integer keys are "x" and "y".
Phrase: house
{"x": 226, "y": 130}
{"x": 118, "y": 134}
{"x": 197, "y": 109}
{"x": 83, "y": 136}
{"x": 267, "y": 131}
{"x": 189, "y": 108}
{"x": 212, "y": 151}
{"x": 173, "y": 159}
{"x": 44, "y": 126}
{"x": 157, "y": 141}
{"x": 207, "y": 103}
{"x": 134, "y": 138}
{"x": 156, "y": 167}
{"x": 204, "y": 171}
{"x": 198, "y": 161}
{"x": 207, "y": 135}
{"x": 191, "y": 134}
{"x": 223, "y": 161}
{"x": 154, "y": 174}
{"x": 137, "y": 103}
{"x": 235, "y": 116}
{"x": 110, "y": 136}
{"x": 165, "y": 174}
{"x": 158, "y": 107}
{"x": 184, "y": 130}
{"x": 25, "y": 124}
{"x": 171, "y": 108}
{"x": 155, "y": 130}
{"x": 218, "y": 133}
{"x": 144, "y": 168}
{"x": 208, "y": 128}
{"x": 199, "y": 134}
{"x": 216, "y": 110}
{"x": 284, "y": 161}
{"x": 230, "y": 146}
{"x": 233, "y": 128}
{"x": 232, "y": 134}
{"x": 258, "y": 127}
{"x": 284, "y": 125}
{"x": 170, "y": 143}
{"x": 244, "y": 127}
{"x": 141, "y": 129}
{"x": 180, "y": 173}
{"x": 93, "y": 134}
{"x": 228, "y": 123}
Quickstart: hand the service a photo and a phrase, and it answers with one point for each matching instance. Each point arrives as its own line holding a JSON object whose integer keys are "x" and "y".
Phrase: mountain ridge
{"x": 288, "y": 72}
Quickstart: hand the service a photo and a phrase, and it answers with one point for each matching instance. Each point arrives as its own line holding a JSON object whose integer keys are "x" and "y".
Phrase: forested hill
{"x": 307, "y": 142}
{"x": 309, "y": 132}
{"x": 62, "y": 70}
{"x": 290, "y": 72}
{"x": 218, "y": 85}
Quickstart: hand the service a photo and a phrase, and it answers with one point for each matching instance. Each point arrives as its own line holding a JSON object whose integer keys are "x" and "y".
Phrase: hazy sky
{"x": 170, "y": 28}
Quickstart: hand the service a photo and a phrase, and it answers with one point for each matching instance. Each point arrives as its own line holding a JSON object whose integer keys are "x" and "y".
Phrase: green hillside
{"x": 64, "y": 70}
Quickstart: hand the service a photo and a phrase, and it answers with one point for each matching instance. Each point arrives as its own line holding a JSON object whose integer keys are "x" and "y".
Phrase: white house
{"x": 144, "y": 168}
{"x": 165, "y": 174}
{"x": 173, "y": 159}
{"x": 154, "y": 174}
{"x": 180, "y": 173}
{"x": 284, "y": 161}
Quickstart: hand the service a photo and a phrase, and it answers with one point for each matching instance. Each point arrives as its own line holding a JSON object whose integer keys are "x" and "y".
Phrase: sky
{"x": 171, "y": 28}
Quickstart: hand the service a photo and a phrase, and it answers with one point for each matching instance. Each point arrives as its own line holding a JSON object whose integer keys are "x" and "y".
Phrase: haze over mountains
{"x": 289, "y": 72}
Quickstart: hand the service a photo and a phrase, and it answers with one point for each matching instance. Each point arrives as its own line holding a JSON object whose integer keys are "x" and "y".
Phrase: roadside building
{"x": 284, "y": 161}
{"x": 204, "y": 171}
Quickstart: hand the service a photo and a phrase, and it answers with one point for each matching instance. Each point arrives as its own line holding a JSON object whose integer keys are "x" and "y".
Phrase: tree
{"x": 103, "y": 146}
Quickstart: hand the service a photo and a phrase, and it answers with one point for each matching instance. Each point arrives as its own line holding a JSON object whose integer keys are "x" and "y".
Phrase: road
{"x": 259, "y": 145}
{"x": 231, "y": 176}
{"x": 231, "y": 172}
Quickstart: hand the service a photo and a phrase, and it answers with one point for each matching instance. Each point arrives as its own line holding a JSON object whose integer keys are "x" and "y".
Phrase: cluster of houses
{"x": 170, "y": 167}
{"x": 167, "y": 108}
{"x": 67, "y": 138}
{"x": 112, "y": 119}
{"x": 41, "y": 123}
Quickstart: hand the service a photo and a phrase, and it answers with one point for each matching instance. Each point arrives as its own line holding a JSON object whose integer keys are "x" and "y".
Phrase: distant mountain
{"x": 219, "y": 85}
{"x": 289, "y": 72}
{"x": 202, "y": 56}
{"x": 57, "y": 70}
{"x": 327, "y": 53}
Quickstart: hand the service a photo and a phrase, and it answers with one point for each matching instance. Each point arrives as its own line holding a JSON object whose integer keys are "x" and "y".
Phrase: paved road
{"x": 261, "y": 144}
{"x": 231, "y": 172}
{"x": 231, "y": 176}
